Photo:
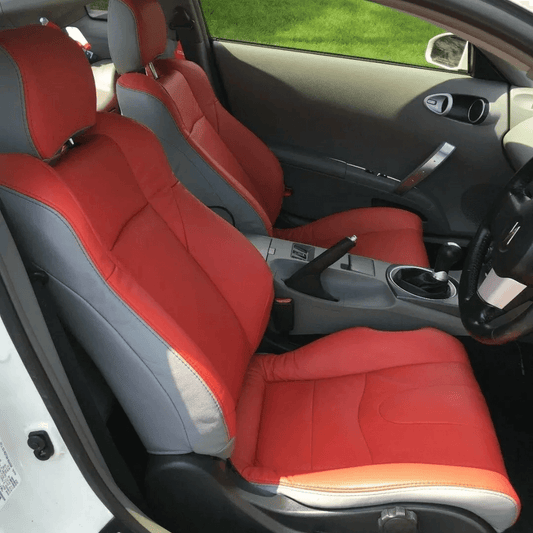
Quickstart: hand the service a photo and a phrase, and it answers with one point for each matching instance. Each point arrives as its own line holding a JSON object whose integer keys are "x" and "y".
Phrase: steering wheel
{"x": 497, "y": 281}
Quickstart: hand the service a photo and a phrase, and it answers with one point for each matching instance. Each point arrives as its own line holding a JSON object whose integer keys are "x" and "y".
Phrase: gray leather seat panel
{"x": 154, "y": 367}
{"x": 195, "y": 174}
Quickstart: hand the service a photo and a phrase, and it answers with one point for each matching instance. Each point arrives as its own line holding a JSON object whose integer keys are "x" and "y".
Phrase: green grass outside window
{"x": 99, "y": 4}
{"x": 349, "y": 27}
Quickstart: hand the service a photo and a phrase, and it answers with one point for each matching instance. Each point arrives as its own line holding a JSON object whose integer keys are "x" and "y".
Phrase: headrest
{"x": 136, "y": 32}
{"x": 47, "y": 92}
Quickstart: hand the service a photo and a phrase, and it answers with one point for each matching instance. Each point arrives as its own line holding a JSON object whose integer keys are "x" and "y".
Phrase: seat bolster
{"x": 253, "y": 154}
{"x": 197, "y": 81}
{"x": 487, "y": 494}
{"x": 142, "y": 99}
{"x": 362, "y": 350}
{"x": 257, "y": 160}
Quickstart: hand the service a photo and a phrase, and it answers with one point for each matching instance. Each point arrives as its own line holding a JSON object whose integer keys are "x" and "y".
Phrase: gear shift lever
{"x": 447, "y": 256}
{"x": 426, "y": 284}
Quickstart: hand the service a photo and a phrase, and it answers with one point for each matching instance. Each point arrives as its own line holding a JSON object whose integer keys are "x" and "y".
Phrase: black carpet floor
{"x": 505, "y": 374}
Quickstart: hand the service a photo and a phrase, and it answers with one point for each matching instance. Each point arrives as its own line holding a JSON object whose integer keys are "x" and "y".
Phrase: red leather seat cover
{"x": 362, "y": 398}
{"x": 383, "y": 233}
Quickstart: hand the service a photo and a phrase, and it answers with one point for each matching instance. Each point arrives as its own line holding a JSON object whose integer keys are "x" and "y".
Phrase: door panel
{"x": 371, "y": 115}
{"x": 325, "y": 185}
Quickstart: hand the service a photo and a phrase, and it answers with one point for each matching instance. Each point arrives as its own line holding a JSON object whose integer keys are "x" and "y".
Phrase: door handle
{"x": 440, "y": 104}
{"x": 434, "y": 161}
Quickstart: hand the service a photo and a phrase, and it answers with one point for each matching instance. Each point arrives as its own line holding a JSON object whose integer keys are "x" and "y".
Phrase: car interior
{"x": 290, "y": 291}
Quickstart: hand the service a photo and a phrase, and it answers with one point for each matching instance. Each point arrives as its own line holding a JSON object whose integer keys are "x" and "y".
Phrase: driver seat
{"x": 171, "y": 303}
{"x": 221, "y": 161}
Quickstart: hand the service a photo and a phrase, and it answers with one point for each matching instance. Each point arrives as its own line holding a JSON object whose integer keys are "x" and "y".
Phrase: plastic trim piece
{"x": 182, "y": 487}
{"x": 499, "y": 292}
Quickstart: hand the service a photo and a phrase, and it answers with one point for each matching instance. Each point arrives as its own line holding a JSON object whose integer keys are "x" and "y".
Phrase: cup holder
{"x": 419, "y": 282}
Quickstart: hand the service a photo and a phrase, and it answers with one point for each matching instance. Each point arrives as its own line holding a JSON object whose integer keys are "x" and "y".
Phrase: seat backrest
{"x": 218, "y": 159}
{"x": 168, "y": 299}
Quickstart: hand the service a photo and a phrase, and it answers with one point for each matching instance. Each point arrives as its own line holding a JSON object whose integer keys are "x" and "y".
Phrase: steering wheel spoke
{"x": 497, "y": 278}
{"x": 499, "y": 292}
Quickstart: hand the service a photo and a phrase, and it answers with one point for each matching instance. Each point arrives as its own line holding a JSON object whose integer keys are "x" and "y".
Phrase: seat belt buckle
{"x": 283, "y": 314}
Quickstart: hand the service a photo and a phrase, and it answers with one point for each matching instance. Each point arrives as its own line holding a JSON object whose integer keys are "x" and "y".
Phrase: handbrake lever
{"x": 307, "y": 278}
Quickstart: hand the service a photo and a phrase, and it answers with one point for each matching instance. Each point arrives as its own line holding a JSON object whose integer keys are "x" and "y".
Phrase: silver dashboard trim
{"x": 499, "y": 292}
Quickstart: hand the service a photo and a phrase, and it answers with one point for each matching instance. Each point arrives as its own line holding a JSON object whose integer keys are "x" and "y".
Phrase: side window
{"x": 97, "y": 9}
{"x": 357, "y": 28}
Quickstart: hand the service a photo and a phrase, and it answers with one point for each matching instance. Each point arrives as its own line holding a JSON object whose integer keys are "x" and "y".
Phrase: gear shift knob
{"x": 447, "y": 256}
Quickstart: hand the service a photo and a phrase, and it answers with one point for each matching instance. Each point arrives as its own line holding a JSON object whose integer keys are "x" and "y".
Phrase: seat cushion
{"x": 365, "y": 418}
{"x": 383, "y": 233}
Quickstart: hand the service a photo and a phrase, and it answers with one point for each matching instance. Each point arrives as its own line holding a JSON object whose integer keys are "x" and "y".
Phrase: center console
{"x": 366, "y": 292}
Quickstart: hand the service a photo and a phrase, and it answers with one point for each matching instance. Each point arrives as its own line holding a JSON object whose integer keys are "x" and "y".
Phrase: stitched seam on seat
{"x": 217, "y": 125}
{"x": 22, "y": 99}
{"x": 121, "y": 302}
{"x": 131, "y": 348}
{"x": 366, "y": 372}
{"x": 393, "y": 486}
{"x": 478, "y": 428}
{"x": 312, "y": 421}
{"x": 263, "y": 397}
{"x": 401, "y": 490}
{"x": 146, "y": 198}
{"x": 196, "y": 122}
{"x": 268, "y": 227}
{"x": 359, "y": 419}
{"x": 127, "y": 223}
{"x": 186, "y": 243}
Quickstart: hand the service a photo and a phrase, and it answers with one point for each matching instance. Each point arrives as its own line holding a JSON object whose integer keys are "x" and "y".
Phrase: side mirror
{"x": 448, "y": 51}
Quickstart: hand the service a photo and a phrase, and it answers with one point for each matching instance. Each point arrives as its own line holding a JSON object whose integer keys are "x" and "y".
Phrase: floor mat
{"x": 505, "y": 374}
